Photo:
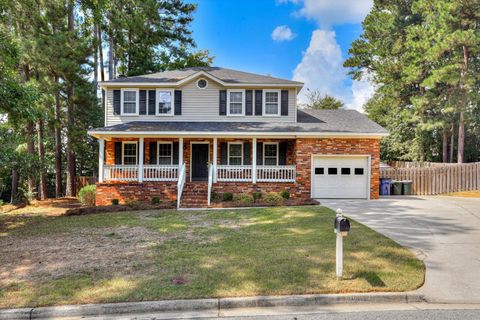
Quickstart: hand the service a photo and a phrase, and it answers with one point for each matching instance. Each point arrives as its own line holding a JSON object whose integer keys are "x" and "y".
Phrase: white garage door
{"x": 340, "y": 177}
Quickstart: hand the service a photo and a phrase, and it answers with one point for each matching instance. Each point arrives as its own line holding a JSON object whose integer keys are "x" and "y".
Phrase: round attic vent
{"x": 202, "y": 83}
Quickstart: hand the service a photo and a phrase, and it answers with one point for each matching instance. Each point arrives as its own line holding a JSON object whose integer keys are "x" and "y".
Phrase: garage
{"x": 343, "y": 176}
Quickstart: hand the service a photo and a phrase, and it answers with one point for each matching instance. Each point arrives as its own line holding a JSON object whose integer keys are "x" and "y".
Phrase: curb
{"x": 206, "y": 304}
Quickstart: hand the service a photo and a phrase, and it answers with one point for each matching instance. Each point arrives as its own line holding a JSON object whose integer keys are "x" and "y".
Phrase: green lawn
{"x": 149, "y": 255}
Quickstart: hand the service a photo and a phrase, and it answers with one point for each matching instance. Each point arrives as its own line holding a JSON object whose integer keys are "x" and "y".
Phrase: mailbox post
{"x": 341, "y": 228}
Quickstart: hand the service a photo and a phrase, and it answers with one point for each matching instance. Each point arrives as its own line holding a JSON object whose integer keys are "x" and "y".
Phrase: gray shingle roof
{"x": 321, "y": 121}
{"x": 226, "y": 75}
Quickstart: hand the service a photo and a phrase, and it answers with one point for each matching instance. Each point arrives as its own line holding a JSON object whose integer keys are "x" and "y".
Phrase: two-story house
{"x": 183, "y": 134}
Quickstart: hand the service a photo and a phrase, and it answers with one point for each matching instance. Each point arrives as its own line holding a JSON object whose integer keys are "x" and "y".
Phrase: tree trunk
{"x": 58, "y": 143}
{"x": 445, "y": 145}
{"x": 95, "y": 56}
{"x": 14, "y": 194}
{"x": 461, "y": 137}
{"x": 41, "y": 154}
{"x": 31, "y": 152}
{"x": 110, "y": 59}
{"x": 70, "y": 190}
{"x": 452, "y": 142}
{"x": 100, "y": 50}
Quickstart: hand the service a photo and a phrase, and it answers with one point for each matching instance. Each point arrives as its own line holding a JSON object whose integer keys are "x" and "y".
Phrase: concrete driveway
{"x": 443, "y": 231}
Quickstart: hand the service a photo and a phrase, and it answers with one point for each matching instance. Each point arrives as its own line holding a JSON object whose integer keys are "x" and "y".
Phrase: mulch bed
{"x": 172, "y": 205}
{"x": 261, "y": 203}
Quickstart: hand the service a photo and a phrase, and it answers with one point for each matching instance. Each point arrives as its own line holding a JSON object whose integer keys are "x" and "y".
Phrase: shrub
{"x": 1, "y": 202}
{"x": 227, "y": 196}
{"x": 285, "y": 194}
{"x": 243, "y": 199}
{"x": 155, "y": 200}
{"x": 256, "y": 195}
{"x": 115, "y": 202}
{"x": 132, "y": 203}
{"x": 273, "y": 199}
{"x": 86, "y": 195}
{"x": 214, "y": 197}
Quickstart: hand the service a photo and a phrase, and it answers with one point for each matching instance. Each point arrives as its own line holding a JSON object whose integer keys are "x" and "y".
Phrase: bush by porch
{"x": 148, "y": 255}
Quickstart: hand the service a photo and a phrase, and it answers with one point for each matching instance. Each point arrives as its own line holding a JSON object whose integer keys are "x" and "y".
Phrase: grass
{"x": 149, "y": 255}
{"x": 466, "y": 194}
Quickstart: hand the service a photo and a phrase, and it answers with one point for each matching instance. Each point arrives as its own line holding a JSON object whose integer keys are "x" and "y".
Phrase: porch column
{"x": 101, "y": 153}
{"x": 254, "y": 160}
{"x": 180, "y": 152}
{"x": 215, "y": 142}
{"x": 140, "y": 160}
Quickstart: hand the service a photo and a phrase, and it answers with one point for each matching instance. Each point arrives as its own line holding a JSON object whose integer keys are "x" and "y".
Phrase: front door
{"x": 199, "y": 161}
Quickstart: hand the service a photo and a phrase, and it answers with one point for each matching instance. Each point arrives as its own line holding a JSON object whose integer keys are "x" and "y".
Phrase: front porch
{"x": 213, "y": 164}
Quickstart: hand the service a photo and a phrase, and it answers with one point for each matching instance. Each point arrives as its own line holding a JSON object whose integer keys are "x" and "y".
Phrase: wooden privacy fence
{"x": 437, "y": 179}
{"x": 418, "y": 164}
{"x": 82, "y": 181}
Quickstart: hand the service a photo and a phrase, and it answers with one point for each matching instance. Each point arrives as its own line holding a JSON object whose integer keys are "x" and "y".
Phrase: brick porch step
{"x": 195, "y": 195}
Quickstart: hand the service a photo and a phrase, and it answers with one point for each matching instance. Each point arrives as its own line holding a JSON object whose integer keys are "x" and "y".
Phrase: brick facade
{"x": 308, "y": 147}
{"x": 128, "y": 191}
{"x": 299, "y": 152}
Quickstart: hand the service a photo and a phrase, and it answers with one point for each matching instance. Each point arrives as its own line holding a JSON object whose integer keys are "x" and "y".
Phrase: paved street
{"x": 443, "y": 231}
{"x": 412, "y": 311}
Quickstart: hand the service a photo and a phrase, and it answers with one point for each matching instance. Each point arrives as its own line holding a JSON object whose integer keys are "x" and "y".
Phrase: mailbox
{"x": 341, "y": 225}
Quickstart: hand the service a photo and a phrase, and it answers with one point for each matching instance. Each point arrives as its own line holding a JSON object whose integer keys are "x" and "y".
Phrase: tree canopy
{"x": 315, "y": 100}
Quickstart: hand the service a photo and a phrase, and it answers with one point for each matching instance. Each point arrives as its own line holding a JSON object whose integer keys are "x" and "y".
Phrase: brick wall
{"x": 249, "y": 188}
{"x": 125, "y": 191}
{"x": 306, "y": 147}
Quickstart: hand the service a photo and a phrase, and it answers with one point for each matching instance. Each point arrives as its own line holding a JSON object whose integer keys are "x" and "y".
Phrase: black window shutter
{"x": 248, "y": 102}
{"x": 223, "y": 102}
{"x": 153, "y": 152}
{"x": 223, "y": 153}
{"x": 178, "y": 102}
{"x": 282, "y": 153}
{"x": 175, "y": 153}
{"x": 118, "y": 152}
{"x": 116, "y": 101}
{"x": 143, "y": 102}
{"x": 258, "y": 102}
{"x": 284, "y": 102}
{"x": 259, "y": 153}
{"x": 247, "y": 147}
{"x": 151, "y": 101}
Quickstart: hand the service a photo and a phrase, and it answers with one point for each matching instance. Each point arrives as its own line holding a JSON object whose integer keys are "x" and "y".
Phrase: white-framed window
{"x": 164, "y": 102}
{"x": 129, "y": 102}
{"x": 235, "y": 153}
{"x": 165, "y": 153}
{"x": 271, "y": 102}
{"x": 202, "y": 83}
{"x": 270, "y": 154}
{"x": 235, "y": 102}
{"x": 129, "y": 152}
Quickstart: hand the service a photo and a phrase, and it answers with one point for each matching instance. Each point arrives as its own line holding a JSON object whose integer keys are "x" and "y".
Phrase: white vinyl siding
{"x": 200, "y": 105}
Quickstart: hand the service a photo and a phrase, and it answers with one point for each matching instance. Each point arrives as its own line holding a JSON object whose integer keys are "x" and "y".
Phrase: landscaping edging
{"x": 208, "y": 304}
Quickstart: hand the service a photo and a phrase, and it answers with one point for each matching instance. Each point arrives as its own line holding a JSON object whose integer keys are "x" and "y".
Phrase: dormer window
{"x": 236, "y": 102}
{"x": 164, "y": 102}
{"x": 271, "y": 102}
{"x": 129, "y": 102}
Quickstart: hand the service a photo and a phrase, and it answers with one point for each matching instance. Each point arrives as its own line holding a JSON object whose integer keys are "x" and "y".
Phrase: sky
{"x": 302, "y": 40}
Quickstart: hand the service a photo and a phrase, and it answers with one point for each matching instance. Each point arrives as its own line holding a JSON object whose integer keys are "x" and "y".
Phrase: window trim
{"x": 228, "y": 152}
{"x": 137, "y": 102}
{"x": 243, "y": 103}
{"x": 157, "y": 101}
{"x": 158, "y": 151}
{"x": 264, "y": 103}
{"x": 263, "y": 153}
{"x": 123, "y": 152}
{"x": 201, "y": 87}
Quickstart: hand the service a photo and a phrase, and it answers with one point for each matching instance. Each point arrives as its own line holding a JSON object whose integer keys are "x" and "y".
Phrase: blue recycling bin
{"x": 385, "y": 186}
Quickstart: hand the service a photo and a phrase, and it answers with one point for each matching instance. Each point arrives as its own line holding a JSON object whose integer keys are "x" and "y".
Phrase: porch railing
{"x": 234, "y": 173}
{"x": 120, "y": 172}
{"x": 152, "y": 172}
{"x": 276, "y": 173}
